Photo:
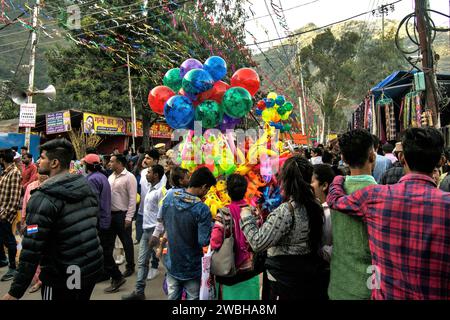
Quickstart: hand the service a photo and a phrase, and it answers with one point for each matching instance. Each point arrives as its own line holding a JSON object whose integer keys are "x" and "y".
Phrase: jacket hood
{"x": 67, "y": 187}
{"x": 183, "y": 200}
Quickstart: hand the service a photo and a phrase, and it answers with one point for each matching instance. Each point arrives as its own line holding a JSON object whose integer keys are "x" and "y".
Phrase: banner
{"x": 139, "y": 128}
{"x": 94, "y": 123}
{"x": 58, "y": 122}
{"x": 161, "y": 130}
{"x": 27, "y": 115}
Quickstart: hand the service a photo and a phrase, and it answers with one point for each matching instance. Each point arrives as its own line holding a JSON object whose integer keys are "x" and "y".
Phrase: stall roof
{"x": 399, "y": 83}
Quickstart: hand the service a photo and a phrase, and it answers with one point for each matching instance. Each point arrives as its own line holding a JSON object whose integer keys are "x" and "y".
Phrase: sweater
{"x": 350, "y": 257}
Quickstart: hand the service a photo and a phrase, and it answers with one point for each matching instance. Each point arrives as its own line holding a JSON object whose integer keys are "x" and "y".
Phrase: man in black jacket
{"x": 61, "y": 232}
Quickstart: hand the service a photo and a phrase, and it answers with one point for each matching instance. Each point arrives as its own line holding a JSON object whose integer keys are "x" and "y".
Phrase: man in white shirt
{"x": 151, "y": 158}
{"x": 151, "y": 205}
{"x": 316, "y": 154}
{"x": 123, "y": 205}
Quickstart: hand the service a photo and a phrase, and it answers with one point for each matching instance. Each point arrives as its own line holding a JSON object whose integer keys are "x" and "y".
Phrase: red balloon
{"x": 246, "y": 78}
{"x": 158, "y": 97}
{"x": 219, "y": 90}
{"x": 261, "y": 105}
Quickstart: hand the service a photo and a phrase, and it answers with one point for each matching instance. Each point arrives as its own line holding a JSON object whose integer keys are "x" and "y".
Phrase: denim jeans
{"x": 139, "y": 222}
{"x": 175, "y": 288}
{"x": 7, "y": 239}
{"x": 145, "y": 253}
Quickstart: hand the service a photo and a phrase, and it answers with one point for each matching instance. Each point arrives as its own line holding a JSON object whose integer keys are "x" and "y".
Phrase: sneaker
{"x": 134, "y": 296}
{"x": 4, "y": 263}
{"x": 115, "y": 285}
{"x": 120, "y": 260}
{"x": 128, "y": 273}
{"x": 152, "y": 274}
{"x": 9, "y": 275}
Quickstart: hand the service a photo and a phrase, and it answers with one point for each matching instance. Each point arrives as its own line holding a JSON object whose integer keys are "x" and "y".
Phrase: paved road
{"x": 153, "y": 290}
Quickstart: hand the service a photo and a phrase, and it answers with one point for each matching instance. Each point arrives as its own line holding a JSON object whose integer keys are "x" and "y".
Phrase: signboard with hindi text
{"x": 157, "y": 130}
{"x": 99, "y": 124}
{"x": 139, "y": 128}
{"x": 58, "y": 122}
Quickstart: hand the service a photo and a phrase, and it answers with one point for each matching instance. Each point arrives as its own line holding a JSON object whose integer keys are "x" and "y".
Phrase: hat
{"x": 91, "y": 159}
{"x": 160, "y": 145}
{"x": 398, "y": 147}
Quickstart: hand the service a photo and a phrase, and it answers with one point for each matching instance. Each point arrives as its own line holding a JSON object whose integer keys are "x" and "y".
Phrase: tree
{"x": 92, "y": 75}
{"x": 326, "y": 66}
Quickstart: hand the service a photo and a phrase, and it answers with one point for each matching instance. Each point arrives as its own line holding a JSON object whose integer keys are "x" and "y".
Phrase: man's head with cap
{"x": 92, "y": 162}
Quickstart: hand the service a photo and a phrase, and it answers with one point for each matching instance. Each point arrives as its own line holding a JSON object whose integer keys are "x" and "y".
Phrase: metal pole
{"x": 32, "y": 67}
{"x": 133, "y": 110}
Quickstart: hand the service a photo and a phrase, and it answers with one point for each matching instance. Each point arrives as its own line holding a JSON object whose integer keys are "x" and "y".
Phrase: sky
{"x": 323, "y": 12}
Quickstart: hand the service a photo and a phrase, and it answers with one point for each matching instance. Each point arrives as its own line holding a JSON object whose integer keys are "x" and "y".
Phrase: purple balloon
{"x": 229, "y": 123}
{"x": 188, "y": 65}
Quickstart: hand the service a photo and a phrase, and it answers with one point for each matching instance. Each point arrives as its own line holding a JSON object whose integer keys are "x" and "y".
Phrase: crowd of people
{"x": 359, "y": 220}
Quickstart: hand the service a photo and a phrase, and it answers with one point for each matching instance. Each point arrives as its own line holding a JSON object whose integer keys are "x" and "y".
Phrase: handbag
{"x": 222, "y": 260}
{"x": 207, "y": 285}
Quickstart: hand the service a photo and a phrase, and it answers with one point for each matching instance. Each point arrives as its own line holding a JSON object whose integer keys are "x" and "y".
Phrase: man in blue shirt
{"x": 382, "y": 164}
{"x": 188, "y": 223}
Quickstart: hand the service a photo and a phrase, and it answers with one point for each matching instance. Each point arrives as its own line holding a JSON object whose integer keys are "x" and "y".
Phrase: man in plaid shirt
{"x": 10, "y": 189}
{"x": 408, "y": 223}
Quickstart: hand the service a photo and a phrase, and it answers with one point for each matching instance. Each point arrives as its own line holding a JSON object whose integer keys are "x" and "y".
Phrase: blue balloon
{"x": 179, "y": 112}
{"x": 280, "y": 100}
{"x": 269, "y": 102}
{"x": 216, "y": 67}
{"x": 258, "y": 112}
{"x": 197, "y": 81}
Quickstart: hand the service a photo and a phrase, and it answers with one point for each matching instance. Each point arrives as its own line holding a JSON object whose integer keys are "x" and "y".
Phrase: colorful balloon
{"x": 287, "y": 127}
{"x": 269, "y": 102}
{"x": 157, "y": 98}
{"x": 228, "y": 123}
{"x": 288, "y": 106}
{"x": 179, "y": 112}
{"x": 267, "y": 114}
{"x": 237, "y": 102}
{"x": 246, "y": 78}
{"x": 216, "y": 67}
{"x": 258, "y": 112}
{"x": 172, "y": 79}
{"x": 285, "y": 116}
{"x": 281, "y": 110}
{"x": 280, "y": 100}
{"x": 188, "y": 65}
{"x": 215, "y": 93}
{"x": 272, "y": 95}
{"x": 210, "y": 113}
{"x": 197, "y": 81}
{"x": 261, "y": 105}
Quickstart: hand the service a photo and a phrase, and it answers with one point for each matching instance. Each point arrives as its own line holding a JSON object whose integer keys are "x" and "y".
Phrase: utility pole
{"x": 133, "y": 109}
{"x": 301, "y": 99}
{"x": 426, "y": 51}
{"x": 383, "y": 10}
{"x": 32, "y": 67}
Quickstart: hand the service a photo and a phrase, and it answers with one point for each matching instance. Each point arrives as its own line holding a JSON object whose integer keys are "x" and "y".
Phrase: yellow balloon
{"x": 285, "y": 116}
{"x": 267, "y": 114}
{"x": 272, "y": 95}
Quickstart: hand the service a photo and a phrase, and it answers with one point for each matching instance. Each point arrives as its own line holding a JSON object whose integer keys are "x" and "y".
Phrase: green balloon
{"x": 172, "y": 79}
{"x": 281, "y": 110}
{"x": 287, "y": 127}
{"x": 288, "y": 106}
{"x": 237, "y": 102}
{"x": 210, "y": 113}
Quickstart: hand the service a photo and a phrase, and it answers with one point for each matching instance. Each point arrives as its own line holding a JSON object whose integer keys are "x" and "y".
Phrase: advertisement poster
{"x": 58, "y": 122}
{"x": 99, "y": 124}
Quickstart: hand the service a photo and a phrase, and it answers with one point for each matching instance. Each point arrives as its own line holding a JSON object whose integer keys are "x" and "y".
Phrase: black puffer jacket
{"x": 65, "y": 211}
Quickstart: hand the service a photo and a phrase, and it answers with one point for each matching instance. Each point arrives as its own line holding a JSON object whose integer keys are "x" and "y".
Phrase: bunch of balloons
{"x": 273, "y": 109}
{"x": 195, "y": 92}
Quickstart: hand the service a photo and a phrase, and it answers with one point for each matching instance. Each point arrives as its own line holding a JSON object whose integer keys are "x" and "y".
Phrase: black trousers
{"x": 118, "y": 229}
{"x": 107, "y": 240}
{"x": 64, "y": 294}
{"x": 7, "y": 239}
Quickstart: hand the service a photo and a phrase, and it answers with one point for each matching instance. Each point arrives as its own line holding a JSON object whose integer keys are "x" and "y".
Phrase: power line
{"x": 318, "y": 28}
{"x": 268, "y": 15}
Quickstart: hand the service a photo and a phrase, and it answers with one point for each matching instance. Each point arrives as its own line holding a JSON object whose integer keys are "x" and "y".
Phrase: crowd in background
{"x": 359, "y": 220}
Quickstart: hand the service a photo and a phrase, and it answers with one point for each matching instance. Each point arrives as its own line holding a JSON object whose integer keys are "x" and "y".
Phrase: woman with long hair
{"x": 292, "y": 236}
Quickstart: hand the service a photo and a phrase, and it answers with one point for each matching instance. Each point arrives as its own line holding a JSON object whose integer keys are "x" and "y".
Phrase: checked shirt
{"x": 409, "y": 235}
